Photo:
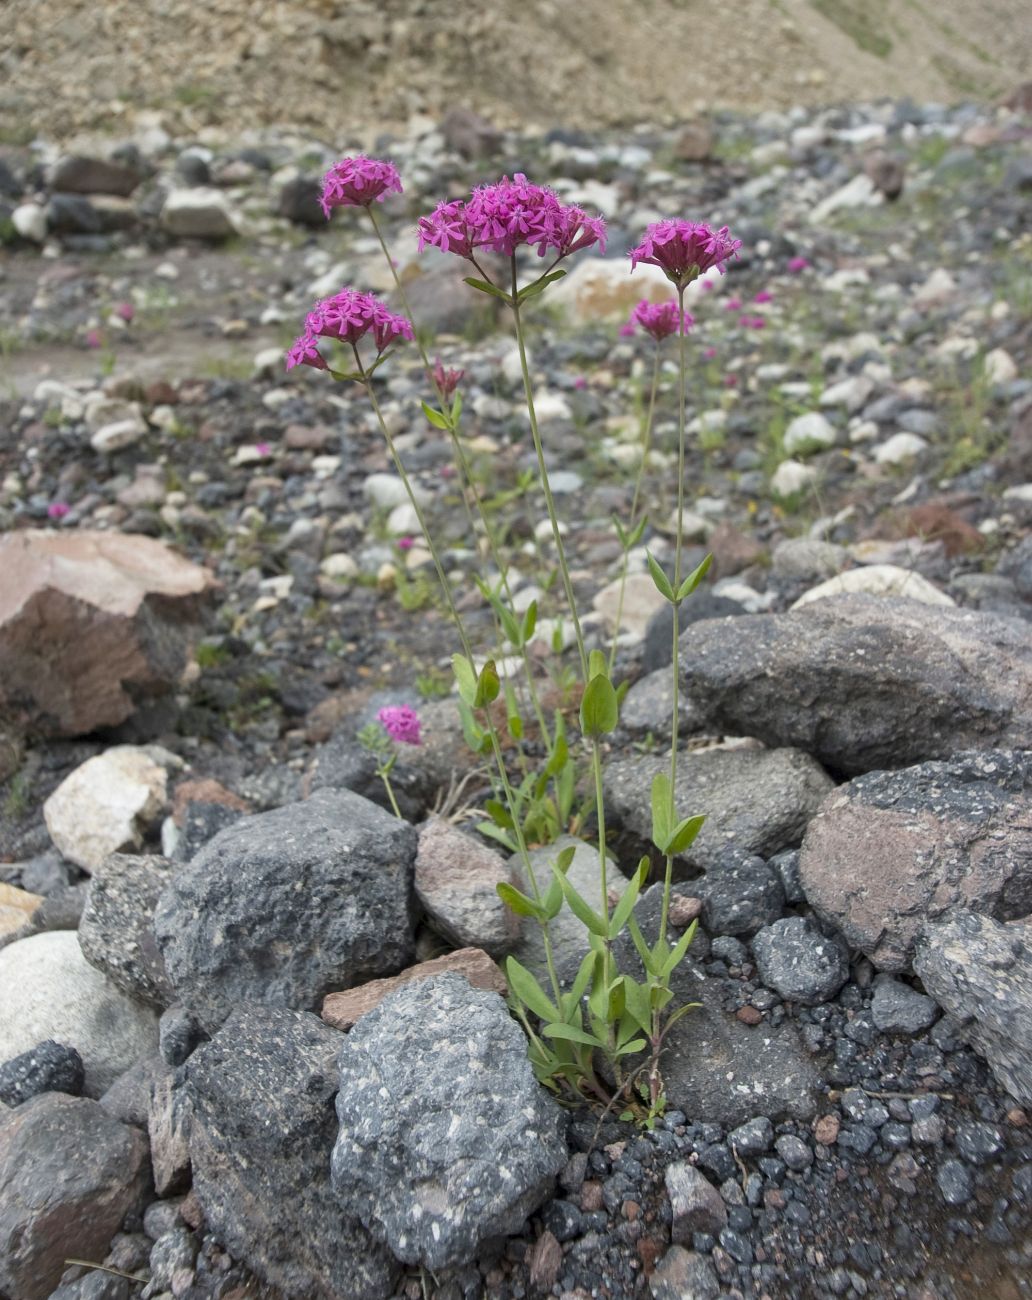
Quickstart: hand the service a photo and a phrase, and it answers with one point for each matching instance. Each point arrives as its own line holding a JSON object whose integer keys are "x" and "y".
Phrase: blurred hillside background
{"x": 69, "y": 66}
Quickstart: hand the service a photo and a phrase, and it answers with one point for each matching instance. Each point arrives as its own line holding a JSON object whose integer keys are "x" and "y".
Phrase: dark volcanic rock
{"x": 799, "y": 962}
{"x": 69, "y": 1174}
{"x": 446, "y": 1138}
{"x": 891, "y": 851}
{"x": 286, "y": 906}
{"x": 865, "y": 682}
{"x": 981, "y": 973}
{"x": 739, "y": 893}
{"x": 755, "y": 800}
{"x": 262, "y": 1129}
{"x": 116, "y": 933}
{"x": 50, "y": 1067}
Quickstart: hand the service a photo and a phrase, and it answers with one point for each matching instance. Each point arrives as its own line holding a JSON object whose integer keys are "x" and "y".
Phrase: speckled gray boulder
{"x": 799, "y": 962}
{"x": 48, "y": 1067}
{"x": 261, "y": 1132}
{"x": 284, "y": 907}
{"x": 756, "y": 800}
{"x": 981, "y": 973}
{"x": 446, "y": 1139}
{"x": 896, "y": 1008}
{"x": 892, "y": 851}
{"x": 116, "y": 933}
{"x": 740, "y": 893}
{"x": 864, "y": 682}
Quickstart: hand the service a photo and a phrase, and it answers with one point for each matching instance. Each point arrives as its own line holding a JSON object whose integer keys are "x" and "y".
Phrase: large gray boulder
{"x": 69, "y": 1174}
{"x": 446, "y": 1139}
{"x": 864, "y": 682}
{"x": 261, "y": 1132}
{"x": 756, "y": 800}
{"x": 892, "y": 851}
{"x": 981, "y": 973}
{"x": 116, "y": 932}
{"x": 287, "y": 906}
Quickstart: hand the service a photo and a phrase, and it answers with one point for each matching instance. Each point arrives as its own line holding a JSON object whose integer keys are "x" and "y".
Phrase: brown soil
{"x": 352, "y": 66}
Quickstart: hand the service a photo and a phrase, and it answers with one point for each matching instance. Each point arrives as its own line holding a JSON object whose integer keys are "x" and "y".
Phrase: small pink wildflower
{"x": 580, "y": 383}
{"x": 733, "y": 304}
{"x": 730, "y": 381}
{"x": 93, "y": 339}
{"x": 58, "y": 509}
{"x": 347, "y": 316}
{"x": 752, "y": 322}
{"x": 445, "y": 381}
{"x": 797, "y": 264}
{"x": 358, "y": 182}
{"x": 405, "y": 543}
{"x": 125, "y": 311}
{"x": 263, "y": 449}
{"x": 709, "y": 353}
{"x": 764, "y": 295}
{"x": 401, "y": 723}
{"x": 684, "y": 249}
{"x": 660, "y": 319}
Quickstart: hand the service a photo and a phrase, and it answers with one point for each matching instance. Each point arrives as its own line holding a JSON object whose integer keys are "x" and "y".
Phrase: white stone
{"x": 939, "y": 286}
{"x": 851, "y": 393}
{"x": 388, "y": 491}
{"x": 859, "y": 192}
{"x": 549, "y": 408}
{"x": 1020, "y": 492}
{"x": 268, "y": 361}
{"x": 809, "y": 433}
{"x": 877, "y": 580}
{"x": 104, "y": 805}
{"x": 201, "y": 213}
{"x": 403, "y": 521}
{"x": 1000, "y": 367}
{"x": 790, "y": 477}
{"x": 51, "y": 991}
{"x": 30, "y": 221}
{"x": 641, "y": 600}
{"x": 602, "y": 289}
{"x": 864, "y": 431}
{"x": 339, "y": 567}
{"x": 900, "y": 448}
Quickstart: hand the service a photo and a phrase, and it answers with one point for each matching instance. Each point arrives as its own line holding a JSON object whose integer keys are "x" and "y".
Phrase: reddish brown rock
{"x": 546, "y": 1258}
{"x": 92, "y": 623}
{"x": 342, "y": 1010}
{"x": 455, "y": 882}
{"x": 826, "y": 1129}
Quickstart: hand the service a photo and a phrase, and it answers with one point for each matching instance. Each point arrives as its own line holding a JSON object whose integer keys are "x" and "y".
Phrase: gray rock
{"x": 893, "y": 851}
{"x": 77, "y": 174}
{"x": 794, "y": 1151}
{"x": 263, "y": 1126}
{"x": 981, "y": 973}
{"x": 684, "y": 1275}
{"x": 807, "y": 559}
{"x": 455, "y": 879}
{"x": 50, "y": 991}
{"x": 168, "y": 1128}
{"x": 659, "y": 638}
{"x": 787, "y": 866}
{"x": 695, "y": 1204}
{"x": 648, "y": 705}
{"x": 198, "y": 214}
{"x": 299, "y": 202}
{"x": 343, "y": 764}
{"x": 69, "y": 1174}
{"x": 740, "y": 893}
{"x": 799, "y": 962}
{"x": 72, "y": 214}
{"x": 955, "y": 1182}
{"x": 284, "y": 907}
{"x": 896, "y": 1008}
{"x": 179, "y": 1034}
{"x": 865, "y": 682}
{"x": 116, "y": 932}
{"x": 755, "y": 800}
{"x": 128, "y": 1098}
{"x": 174, "y": 1250}
{"x": 753, "y": 1137}
{"x": 48, "y": 1067}
{"x": 446, "y": 1139}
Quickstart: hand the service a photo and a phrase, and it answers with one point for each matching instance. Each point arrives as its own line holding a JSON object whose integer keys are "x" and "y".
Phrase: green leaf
{"x": 565, "y": 858}
{"x": 488, "y": 686}
{"x": 529, "y": 622}
{"x": 517, "y": 902}
{"x": 659, "y": 577}
{"x": 528, "y": 990}
{"x": 639, "y": 529}
{"x": 661, "y": 810}
{"x": 659, "y": 996}
{"x": 560, "y": 754}
{"x": 494, "y": 832}
{"x": 625, "y": 906}
{"x": 683, "y": 835}
{"x": 577, "y": 905}
{"x": 552, "y": 902}
{"x": 466, "y": 677}
{"x": 598, "y": 665}
{"x": 599, "y": 712}
{"x": 509, "y": 625}
{"x": 679, "y": 950}
{"x": 499, "y": 814}
{"x": 571, "y": 1034}
{"x": 456, "y": 410}
{"x": 565, "y": 789}
{"x": 438, "y": 420}
{"x": 477, "y": 738}
{"x": 638, "y": 1009}
{"x": 629, "y": 1049}
{"x": 694, "y": 578}
{"x": 571, "y": 1000}
{"x": 347, "y": 376}
{"x": 539, "y": 286}
{"x": 485, "y": 286}
{"x": 622, "y": 690}
{"x": 683, "y": 1010}
{"x": 644, "y": 951}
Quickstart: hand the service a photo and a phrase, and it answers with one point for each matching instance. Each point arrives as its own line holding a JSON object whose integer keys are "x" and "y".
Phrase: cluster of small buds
{"x": 660, "y": 319}
{"x": 684, "y": 249}
{"x": 511, "y": 214}
{"x": 358, "y": 182}
{"x": 445, "y": 381}
{"x": 348, "y": 316}
{"x": 400, "y": 723}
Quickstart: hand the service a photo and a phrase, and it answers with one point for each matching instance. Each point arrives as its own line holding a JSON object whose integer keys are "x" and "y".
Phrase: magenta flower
{"x": 709, "y": 353}
{"x": 580, "y": 383}
{"x": 764, "y": 295}
{"x": 400, "y": 723}
{"x": 58, "y": 509}
{"x": 125, "y": 311}
{"x": 347, "y": 316}
{"x": 358, "y": 182}
{"x": 752, "y": 322}
{"x": 263, "y": 449}
{"x": 660, "y": 319}
{"x": 405, "y": 543}
{"x": 445, "y": 381}
{"x": 684, "y": 249}
{"x": 93, "y": 339}
{"x": 507, "y": 216}
{"x": 733, "y": 304}
{"x": 797, "y": 264}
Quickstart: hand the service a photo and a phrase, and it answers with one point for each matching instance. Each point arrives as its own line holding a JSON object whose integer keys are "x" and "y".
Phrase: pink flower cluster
{"x": 347, "y": 316}
{"x": 400, "y": 723}
{"x": 445, "y": 381}
{"x": 358, "y": 182}
{"x": 684, "y": 249}
{"x": 505, "y": 216}
{"x": 660, "y": 319}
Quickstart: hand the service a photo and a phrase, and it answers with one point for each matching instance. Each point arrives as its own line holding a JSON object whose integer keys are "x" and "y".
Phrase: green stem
{"x": 645, "y": 442}
{"x": 390, "y": 794}
{"x": 678, "y": 546}
{"x": 545, "y": 485}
